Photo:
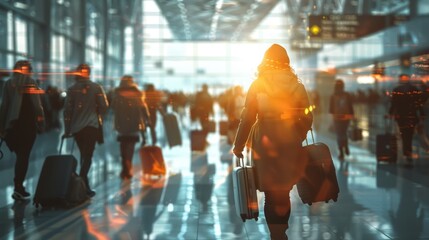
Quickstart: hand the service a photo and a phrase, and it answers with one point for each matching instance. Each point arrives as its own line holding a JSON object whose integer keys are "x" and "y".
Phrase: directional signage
{"x": 349, "y": 27}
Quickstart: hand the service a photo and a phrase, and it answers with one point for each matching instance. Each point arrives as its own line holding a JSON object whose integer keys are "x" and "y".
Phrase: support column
{"x": 106, "y": 17}
{"x": 138, "y": 40}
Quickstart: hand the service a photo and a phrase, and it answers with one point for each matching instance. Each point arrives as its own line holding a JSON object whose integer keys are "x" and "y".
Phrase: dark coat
{"x": 130, "y": 110}
{"x": 407, "y": 105}
{"x": 274, "y": 122}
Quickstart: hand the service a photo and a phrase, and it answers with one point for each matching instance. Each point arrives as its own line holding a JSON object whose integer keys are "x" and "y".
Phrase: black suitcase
{"x": 245, "y": 195}
{"x": 172, "y": 130}
{"x": 58, "y": 184}
{"x": 385, "y": 144}
{"x": 386, "y": 148}
{"x": 319, "y": 183}
{"x": 198, "y": 140}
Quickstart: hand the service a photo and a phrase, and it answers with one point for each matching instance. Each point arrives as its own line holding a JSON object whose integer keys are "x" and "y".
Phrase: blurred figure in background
{"x": 234, "y": 108}
{"x": 153, "y": 101}
{"x": 277, "y": 118}
{"x": 204, "y": 107}
{"x": 85, "y": 105}
{"x": 341, "y": 108}
{"x": 407, "y": 109}
{"x": 131, "y": 118}
{"x": 21, "y": 117}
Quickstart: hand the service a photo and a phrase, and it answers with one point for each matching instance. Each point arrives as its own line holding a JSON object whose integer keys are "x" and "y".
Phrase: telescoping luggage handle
{"x": 312, "y": 136}
{"x": 61, "y": 145}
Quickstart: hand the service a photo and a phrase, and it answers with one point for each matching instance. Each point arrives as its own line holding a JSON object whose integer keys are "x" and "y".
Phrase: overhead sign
{"x": 349, "y": 27}
{"x": 304, "y": 44}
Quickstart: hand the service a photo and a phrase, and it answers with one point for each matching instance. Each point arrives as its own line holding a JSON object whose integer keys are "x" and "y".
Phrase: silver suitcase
{"x": 245, "y": 196}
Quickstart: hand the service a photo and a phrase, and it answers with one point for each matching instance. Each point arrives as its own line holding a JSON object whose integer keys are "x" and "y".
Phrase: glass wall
{"x": 186, "y": 66}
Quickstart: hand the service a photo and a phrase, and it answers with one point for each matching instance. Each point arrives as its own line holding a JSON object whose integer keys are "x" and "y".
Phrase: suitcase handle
{"x": 312, "y": 136}
{"x": 61, "y": 146}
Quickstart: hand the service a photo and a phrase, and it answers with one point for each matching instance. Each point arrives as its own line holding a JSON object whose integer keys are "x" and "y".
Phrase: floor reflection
{"x": 195, "y": 199}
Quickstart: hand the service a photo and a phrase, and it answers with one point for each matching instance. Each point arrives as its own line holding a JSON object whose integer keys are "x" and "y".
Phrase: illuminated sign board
{"x": 349, "y": 27}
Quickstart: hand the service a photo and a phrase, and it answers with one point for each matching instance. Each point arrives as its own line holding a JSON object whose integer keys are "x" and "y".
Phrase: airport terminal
{"x": 198, "y": 119}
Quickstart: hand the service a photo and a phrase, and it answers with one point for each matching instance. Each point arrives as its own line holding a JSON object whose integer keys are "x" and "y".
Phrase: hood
{"x": 128, "y": 89}
{"x": 278, "y": 83}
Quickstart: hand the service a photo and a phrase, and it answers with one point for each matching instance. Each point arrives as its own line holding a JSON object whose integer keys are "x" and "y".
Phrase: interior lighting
{"x": 20, "y": 5}
{"x": 366, "y": 79}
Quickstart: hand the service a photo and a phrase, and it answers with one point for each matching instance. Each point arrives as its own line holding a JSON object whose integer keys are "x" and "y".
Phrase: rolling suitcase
{"x": 58, "y": 184}
{"x": 319, "y": 183}
{"x": 152, "y": 160}
{"x": 172, "y": 130}
{"x": 386, "y": 148}
{"x": 245, "y": 196}
{"x": 385, "y": 144}
{"x": 198, "y": 140}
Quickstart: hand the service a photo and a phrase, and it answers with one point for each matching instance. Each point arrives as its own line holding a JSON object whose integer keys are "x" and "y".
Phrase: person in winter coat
{"x": 85, "y": 105}
{"x": 407, "y": 109}
{"x": 21, "y": 117}
{"x": 274, "y": 122}
{"x": 341, "y": 108}
{"x": 131, "y": 119}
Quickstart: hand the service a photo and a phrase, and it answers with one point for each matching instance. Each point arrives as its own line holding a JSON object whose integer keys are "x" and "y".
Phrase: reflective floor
{"x": 375, "y": 202}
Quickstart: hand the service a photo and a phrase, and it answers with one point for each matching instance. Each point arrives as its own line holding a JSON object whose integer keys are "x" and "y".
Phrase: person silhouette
{"x": 85, "y": 105}
{"x": 407, "y": 109}
{"x": 21, "y": 117}
{"x": 341, "y": 108}
{"x": 276, "y": 118}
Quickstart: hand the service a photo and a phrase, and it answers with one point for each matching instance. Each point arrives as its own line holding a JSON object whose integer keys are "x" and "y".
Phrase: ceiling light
{"x": 20, "y": 5}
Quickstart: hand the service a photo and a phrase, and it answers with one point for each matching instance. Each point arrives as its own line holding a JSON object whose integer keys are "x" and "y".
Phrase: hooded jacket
{"x": 129, "y": 108}
{"x": 274, "y": 122}
{"x": 85, "y": 105}
{"x": 12, "y": 100}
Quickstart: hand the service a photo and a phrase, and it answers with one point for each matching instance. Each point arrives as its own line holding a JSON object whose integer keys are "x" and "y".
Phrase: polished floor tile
{"x": 375, "y": 202}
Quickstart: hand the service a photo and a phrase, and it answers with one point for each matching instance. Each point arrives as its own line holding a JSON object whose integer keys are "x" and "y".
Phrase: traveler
{"x": 131, "y": 118}
{"x": 341, "y": 108}
{"x": 21, "y": 117}
{"x": 85, "y": 105}
{"x": 276, "y": 118}
{"x": 153, "y": 101}
{"x": 204, "y": 107}
{"x": 406, "y": 108}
